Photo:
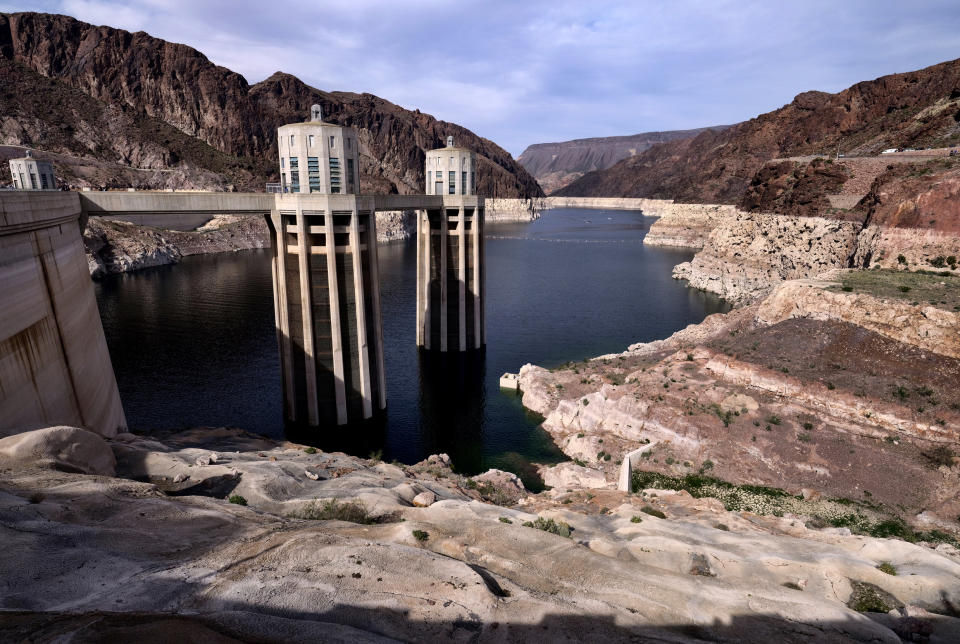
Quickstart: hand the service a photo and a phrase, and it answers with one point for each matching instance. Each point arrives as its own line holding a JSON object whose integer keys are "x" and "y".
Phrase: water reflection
{"x": 453, "y": 397}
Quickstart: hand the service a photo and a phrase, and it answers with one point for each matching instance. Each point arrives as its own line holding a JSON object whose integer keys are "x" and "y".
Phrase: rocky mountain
{"x": 556, "y": 165}
{"x": 115, "y": 98}
{"x": 913, "y": 109}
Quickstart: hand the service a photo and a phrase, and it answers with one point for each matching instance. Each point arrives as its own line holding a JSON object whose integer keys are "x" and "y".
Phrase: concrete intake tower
{"x": 325, "y": 282}
{"x": 450, "y": 269}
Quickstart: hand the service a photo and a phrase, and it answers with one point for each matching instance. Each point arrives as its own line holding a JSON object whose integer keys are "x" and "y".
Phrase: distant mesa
{"x": 555, "y": 165}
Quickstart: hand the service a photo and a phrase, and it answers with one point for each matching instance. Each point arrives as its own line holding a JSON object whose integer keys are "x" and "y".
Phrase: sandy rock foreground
{"x": 90, "y": 557}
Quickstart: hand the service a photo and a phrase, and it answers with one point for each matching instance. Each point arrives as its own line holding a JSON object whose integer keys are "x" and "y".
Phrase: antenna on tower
{"x": 316, "y": 113}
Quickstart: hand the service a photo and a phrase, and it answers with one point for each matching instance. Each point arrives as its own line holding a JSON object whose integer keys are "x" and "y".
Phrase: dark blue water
{"x": 194, "y": 344}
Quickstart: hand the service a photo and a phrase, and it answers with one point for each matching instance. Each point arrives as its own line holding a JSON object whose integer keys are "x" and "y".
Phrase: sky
{"x": 532, "y": 71}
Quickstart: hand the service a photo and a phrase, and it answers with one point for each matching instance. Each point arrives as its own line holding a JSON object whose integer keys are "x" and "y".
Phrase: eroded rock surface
{"x": 112, "y": 557}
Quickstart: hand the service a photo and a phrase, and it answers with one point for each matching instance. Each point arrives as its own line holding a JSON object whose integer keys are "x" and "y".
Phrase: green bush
{"x": 887, "y": 567}
{"x": 311, "y": 450}
{"x": 901, "y": 260}
{"x": 558, "y": 528}
{"x": 237, "y": 499}
{"x": 505, "y": 520}
{"x": 635, "y": 519}
{"x": 774, "y": 420}
{"x": 420, "y": 535}
{"x": 336, "y": 510}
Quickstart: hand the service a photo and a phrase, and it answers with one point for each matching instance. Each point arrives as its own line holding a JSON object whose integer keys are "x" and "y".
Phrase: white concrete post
{"x": 306, "y": 305}
{"x": 462, "y": 274}
{"x": 335, "y": 333}
{"x": 363, "y": 358}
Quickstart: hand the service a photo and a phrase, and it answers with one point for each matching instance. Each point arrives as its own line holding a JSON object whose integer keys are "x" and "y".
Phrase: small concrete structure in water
{"x": 54, "y": 364}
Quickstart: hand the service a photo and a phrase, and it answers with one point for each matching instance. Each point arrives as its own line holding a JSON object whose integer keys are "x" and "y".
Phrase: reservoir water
{"x": 194, "y": 344}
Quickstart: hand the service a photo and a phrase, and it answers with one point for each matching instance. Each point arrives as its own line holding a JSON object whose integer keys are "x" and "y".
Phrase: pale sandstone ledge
{"x": 745, "y": 255}
{"x": 882, "y": 246}
{"x": 749, "y": 253}
{"x": 927, "y": 327}
{"x": 208, "y": 570}
{"x": 650, "y": 206}
{"x": 687, "y": 225}
{"x": 513, "y": 209}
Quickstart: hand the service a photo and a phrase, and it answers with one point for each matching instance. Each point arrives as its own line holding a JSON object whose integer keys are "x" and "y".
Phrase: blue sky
{"x": 528, "y": 71}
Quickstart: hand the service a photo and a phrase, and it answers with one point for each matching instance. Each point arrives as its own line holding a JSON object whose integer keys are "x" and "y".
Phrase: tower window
{"x": 310, "y": 140}
{"x": 291, "y": 140}
{"x": 463, "y": 183}
{"x": 333, "y": 142}
{"x": 281, "y": 163}
{"x": 350, "y": 177}
{"x": 334, "y": 175}
{"x": 43, "y": 181}
{"x": 452, "y": 176}
{"x": 313, "y": 173}
{"x": 294, "y": 174}
{"x": 348, "y": 144}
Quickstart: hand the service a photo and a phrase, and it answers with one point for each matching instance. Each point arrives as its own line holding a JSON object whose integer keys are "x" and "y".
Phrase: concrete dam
{"x": 54, "y": 364}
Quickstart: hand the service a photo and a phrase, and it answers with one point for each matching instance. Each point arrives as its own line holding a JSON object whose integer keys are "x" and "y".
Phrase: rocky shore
{"x": 219, "y": 535}
{"x": 118, "y": 247}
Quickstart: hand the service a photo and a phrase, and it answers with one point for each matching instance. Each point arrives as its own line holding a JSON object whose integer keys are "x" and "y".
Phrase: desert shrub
{"x": 336, "y": 510}
{"x": 505, "y": 520}
{"x": 311, "y": 450}
{"x": 237, "y": 499}
{"x": 635, "y": 519}
{"x": 901, "y": 260}
{"x": 940, "y": 455}
{"x": 774, "y": 420}
{"x": 421, "y": 535}
{"x": 558, "y": 528}
{"x": 887, "y": 567}
{"x": 867, "y": 598}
